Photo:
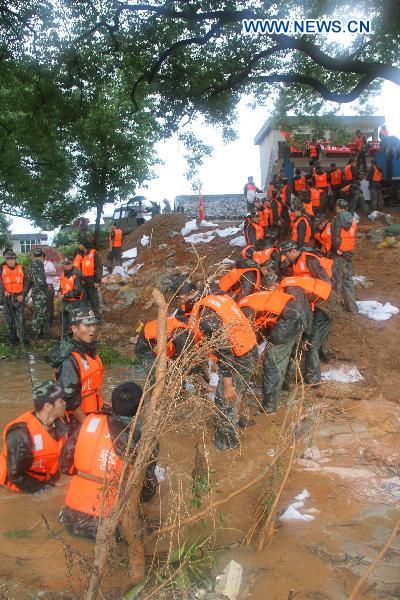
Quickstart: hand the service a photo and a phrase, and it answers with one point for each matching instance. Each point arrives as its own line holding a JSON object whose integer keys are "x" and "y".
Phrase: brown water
{"x": 321, "y": 560}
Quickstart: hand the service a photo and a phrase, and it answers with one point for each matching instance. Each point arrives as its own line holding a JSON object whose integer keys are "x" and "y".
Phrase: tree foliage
{"x": 88, "y": 87}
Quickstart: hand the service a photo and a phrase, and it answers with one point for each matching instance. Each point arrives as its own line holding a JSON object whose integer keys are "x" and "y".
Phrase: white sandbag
{"x": 208, "y": 224}
{"x": 200, "y": 238}
{"x": 132, "y": 253}
{"x": 228, "y": 231}
{"x": 375, "y": 310}
{"x": 145, "y": 240}
{"x": 343, "y": 373}
{"x": 121, "y": 272}
{"x": 189, "y": 226}
{"x": 238, "y": 241}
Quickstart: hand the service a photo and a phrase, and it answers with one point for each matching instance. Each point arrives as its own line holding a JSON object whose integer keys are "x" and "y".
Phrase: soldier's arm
{"x": 335, "y": 233}
{"x": 316, "y": 269}
{"x": 68, "y": 378}
{"x": 20, "y": 459}
{"x": 28, "y": 282}
{"x": 1, "y": 285}
{"x": 301, "y": 233}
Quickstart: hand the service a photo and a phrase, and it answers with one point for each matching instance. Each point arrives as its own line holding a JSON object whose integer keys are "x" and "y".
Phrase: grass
{"x": 7, "y": 351}
{"x": 110, "y": 356}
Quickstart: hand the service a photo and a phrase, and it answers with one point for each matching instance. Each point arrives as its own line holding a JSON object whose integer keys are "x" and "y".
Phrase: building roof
{"x": 28, "y": 236}
{"x": 353, "y": 122}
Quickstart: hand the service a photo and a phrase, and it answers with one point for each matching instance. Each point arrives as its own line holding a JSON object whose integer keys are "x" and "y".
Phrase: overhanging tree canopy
{"x": 101, "y": 81}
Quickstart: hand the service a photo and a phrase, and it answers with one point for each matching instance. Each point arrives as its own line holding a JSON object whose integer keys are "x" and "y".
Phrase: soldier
{"x": 343, "y": 231}
{"x": 37, "y": 283}
{"x": 92, "y": 272}
{"x": 12, "y": 295}
{"x": 70, "y": 291}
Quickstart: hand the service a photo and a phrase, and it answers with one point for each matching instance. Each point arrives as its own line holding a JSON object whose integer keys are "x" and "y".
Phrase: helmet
{"x": 288, "y": 245}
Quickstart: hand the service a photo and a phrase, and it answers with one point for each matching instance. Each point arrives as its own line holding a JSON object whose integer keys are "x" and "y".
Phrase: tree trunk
{"x": 99, "y": 211}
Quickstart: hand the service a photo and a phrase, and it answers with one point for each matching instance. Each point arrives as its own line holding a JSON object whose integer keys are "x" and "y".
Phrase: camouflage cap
{"x": 67, "y": 260}
{"x": 288, "y": 245}
{"x": 342, "y": 203}
{"x": 83, "y": 315}
{"x": 37, "y": 252}
{"x": 9, "y": 253}
{"x": 47, "y": 390}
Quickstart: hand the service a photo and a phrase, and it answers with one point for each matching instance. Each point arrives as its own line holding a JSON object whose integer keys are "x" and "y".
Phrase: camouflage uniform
{"x": 14, "y": 316}
{"x": 37, "y": 282}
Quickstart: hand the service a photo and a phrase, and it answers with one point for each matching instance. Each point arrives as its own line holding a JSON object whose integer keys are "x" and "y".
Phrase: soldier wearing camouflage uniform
{"x": 342, "y": 224}
{"x": 12, "y": 294}
{"x": 37, "y": 283}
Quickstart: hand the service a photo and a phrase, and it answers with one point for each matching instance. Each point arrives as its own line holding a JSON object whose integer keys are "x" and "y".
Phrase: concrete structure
{"x": 230, "y": 207}
{"x": 22, "y": 243}
{"x": 271, "y": 141}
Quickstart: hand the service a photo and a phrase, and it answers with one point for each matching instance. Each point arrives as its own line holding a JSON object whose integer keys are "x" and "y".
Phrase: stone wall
{"x": 224, "y": 206}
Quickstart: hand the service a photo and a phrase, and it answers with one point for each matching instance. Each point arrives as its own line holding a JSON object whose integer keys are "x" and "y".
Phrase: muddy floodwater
{"x": 352, "y": 504}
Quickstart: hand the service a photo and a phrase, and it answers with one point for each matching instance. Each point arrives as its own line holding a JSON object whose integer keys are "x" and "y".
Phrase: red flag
{"x": 201, "y": 208}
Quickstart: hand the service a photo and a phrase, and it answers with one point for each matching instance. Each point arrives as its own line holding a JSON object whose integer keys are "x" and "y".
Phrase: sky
{"x": 230, "y": 165}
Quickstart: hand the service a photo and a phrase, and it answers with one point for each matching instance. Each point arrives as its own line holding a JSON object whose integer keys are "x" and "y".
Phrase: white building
{"x": 271, "y": 141}
{"x": 22, "y": 243}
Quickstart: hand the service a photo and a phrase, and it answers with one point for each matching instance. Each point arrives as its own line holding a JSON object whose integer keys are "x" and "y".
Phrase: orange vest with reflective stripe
{"x": 228, "y": 282}
{"x": 348, "y": 238}
{"x": 311, "y": 285}
{"x": 336, "y": 177}
{"x": 239, "y": 331}
{"x": 267, "y": 306}
{"x": 116, "y": 242}
{"x": 346, "y": 188}
{"x": 377, "y": 175}
{"x": 77, "y": 262}
{"x": 258, "y": 229}
{"x": 265, "y": 217}
{"x": 271, "y": 188}
{"x": 348, "y": 175}
{"x": 91, "y": 376}
{"x": 315, "y": 197}
{"x": 308, "y": 229}
{"x": 300, "y": 268}
{"x": 261, "y": 256}
{"x": 45, "y": 449}
{"x": 299, "y": 183}
{"x": 308, "y": 207}
{"x": 13, "y": 279}
{"x": 324, "y": 237}
{"x": 321, "y": 180}
{"x": 151, "y": 330}
{"x": 88, "y": 264}
{"x": 92, "y": 490}
{"x": 67, "y": 285}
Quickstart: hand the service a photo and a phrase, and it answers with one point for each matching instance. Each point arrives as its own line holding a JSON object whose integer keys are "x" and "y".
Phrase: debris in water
{"x": 292, "y": 513}
{"x": 228, "y": 584}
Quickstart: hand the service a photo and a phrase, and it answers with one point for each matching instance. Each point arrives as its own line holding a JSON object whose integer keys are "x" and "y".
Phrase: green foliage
{"x": 16, "y": 534}
{"x": 4, "y": 231}
{"x": 110, "y": 356}
{"x": 24, "y": 259}
{"x": 66, "y": 237}
{"x": 193, "y": 562}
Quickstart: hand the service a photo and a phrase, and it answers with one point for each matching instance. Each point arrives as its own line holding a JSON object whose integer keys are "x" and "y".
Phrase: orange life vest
{"x": 348, "y": 238}
{"x": 257, "y": 228}
{"x": 299, "y": 183}
{"x": 245, "y": 249}
{"x": 77, "y": 262}
{"x": 229, "y": 281}
{"x": 67, "y": 285}
{"x": 267, "y": 306}
{"x": 315, "y": 197}
{"x": 315, "y": 287}
{"x": 346, "y": 188}
{"x": 359, "y": 143}
{"x": 300, "y": 268}
{"x": 377, "y": 175}
{"x": 313, "y": 151}
{"x": 271, "y": 188}
{"x": 92, "y": 490}
{"x": 261, "y": 256}
{"x": 336, "y": 177}
{"x": 88, "y": 264}
{"x": 321, "y": 180}
{"x": 45, "y": 449}
{"x": 13, "y": 279}
{"x": 239, "y": 331}
{"x": 348, "y": 175}
{"x": 266, "y": 217}
{"x": 283, "y": 194}
{"x": 116, "y": 242}
{"x": 295, "y": 224}
{"x": 151, "y": 330}
{"x": 324, "y": 237}
{"x": 91, "y": 376}
{"x": 308, "y": 207}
